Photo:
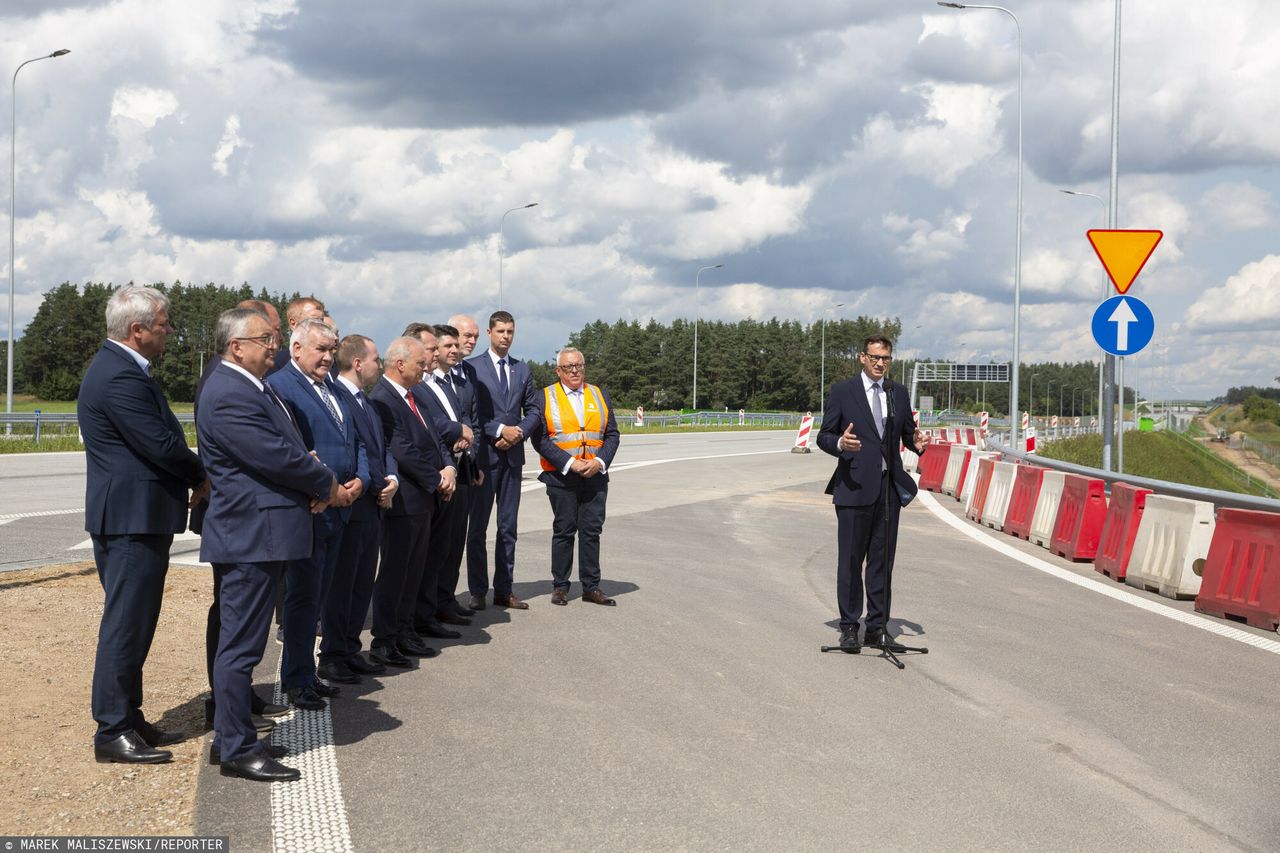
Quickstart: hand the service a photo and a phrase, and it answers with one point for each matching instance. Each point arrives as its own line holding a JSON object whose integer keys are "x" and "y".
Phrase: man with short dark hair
{"x": 347, "y": 605}
{"x": 857, "y": 429}
{"x": 139, "y": 469}
{"x": 508, "y": 409}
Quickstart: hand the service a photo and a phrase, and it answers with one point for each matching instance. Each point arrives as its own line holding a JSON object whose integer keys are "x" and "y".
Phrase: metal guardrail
{"x": 1217, "y": 497}
{"x": 1268, "y": 452}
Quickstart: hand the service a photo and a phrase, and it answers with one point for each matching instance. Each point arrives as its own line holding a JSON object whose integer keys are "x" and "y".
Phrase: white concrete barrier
{"x": 998, "y": 494}
{"x": 955, "y": 467}
{"x": 1173, "y": 534}
{"x": 910, "y": 461}
{"x": 1046, "y": 514}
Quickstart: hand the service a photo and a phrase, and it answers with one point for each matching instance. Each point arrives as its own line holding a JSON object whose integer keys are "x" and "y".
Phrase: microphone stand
{"x": 889, "y": 650}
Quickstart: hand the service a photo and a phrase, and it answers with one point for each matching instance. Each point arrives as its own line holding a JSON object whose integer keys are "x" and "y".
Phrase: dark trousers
{"x": 443, "y": 524}
{"x": 347, "y": 604}
{"x": 306, "y": 587}
{"x": 501, "y": 482}
{"x": 861, "y": 539}
{"x": 248, "y": 594}
{"x": 451, "y": 570}
{"x": 579, "y": 514}
{"x": 395, "y": 592}
{"x": 131, "y": 568}
{"x": 212, "y": 630}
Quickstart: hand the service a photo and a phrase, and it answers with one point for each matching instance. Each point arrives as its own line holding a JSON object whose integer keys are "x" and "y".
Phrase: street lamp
{"x": 1017, "y": 256}
{"x": 1102, "y": 363}
{"x": 13, "y": 171}
{"x": 1031, "y": 394}
{"x": 697, "y": 315}
{"x": 502, "y": 242}
{"x": 822, "y": 380}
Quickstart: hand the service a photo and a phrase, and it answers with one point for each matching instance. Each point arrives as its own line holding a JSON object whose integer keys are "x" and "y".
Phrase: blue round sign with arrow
{"x": 1123, "y": 325}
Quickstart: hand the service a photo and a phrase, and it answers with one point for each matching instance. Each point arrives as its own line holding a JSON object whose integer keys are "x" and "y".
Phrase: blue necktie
{"x": 502, "y": 377}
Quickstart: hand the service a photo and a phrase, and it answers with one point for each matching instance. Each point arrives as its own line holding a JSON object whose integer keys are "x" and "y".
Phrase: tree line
{"x": 758, "y": 365}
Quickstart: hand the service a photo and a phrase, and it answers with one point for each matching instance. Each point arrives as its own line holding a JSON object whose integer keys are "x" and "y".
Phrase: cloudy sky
{"x": 859, "y": 152}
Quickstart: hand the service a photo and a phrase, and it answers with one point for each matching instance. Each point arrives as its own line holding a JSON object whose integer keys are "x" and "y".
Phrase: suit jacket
{"x": 416, "y": 445}
{"x": 520, "y": 406}
{"x": 139, "y": 465}
{"x": 339, "y": 447}
{"x": 559, "y": 458}
{"x": 856, "y": 480}
{"x": 450, "y": 427}
{"x": 262, "y": 477}
{"x": 381, "y": 463}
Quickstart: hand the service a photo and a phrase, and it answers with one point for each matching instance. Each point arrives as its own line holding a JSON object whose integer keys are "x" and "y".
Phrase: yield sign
{"x": 1123, "y": 253}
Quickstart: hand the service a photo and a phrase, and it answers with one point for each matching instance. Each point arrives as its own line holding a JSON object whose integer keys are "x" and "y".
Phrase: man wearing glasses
{"x": 577, "y": 438}
{"x": 864, "y": 420}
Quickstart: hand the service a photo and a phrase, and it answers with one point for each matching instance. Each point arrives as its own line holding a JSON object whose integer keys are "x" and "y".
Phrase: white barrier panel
{"x": 1046, "y": 514}
{"x": 971, "y": 478}
{"x": 998, "y": 494}
{"x": 1173, "y": 534}
{"x": 910, "y": 460}
{"x": 955, "y": 465}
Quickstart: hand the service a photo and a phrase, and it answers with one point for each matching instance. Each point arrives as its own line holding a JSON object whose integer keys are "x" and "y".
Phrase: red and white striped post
{"x": 802, "y": 436}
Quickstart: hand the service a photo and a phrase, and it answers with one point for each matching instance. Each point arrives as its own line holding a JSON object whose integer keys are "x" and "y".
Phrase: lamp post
{"x": 697, "y": 316}
{"x": 1031, "y": 394}
{"x": 1017, "y": 252}
{"x": 822, "y": 376}
{"x": 1048, "y": 395}
{"x": 502, "y": 242}
{"x": 1102, "y": 363}
{"x": 13, "y": 172}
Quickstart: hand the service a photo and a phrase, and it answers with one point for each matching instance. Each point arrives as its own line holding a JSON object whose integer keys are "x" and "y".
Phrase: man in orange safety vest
{"x": 576, "y": 439}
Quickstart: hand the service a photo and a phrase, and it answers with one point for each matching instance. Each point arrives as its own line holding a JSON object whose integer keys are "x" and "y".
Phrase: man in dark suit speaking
{"x": 139, "y": 470}
{"x": 864, "y": 420}
{"x": 264, "y": 487}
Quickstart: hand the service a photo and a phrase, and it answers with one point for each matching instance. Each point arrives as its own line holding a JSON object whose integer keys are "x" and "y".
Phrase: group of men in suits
{"x": 328, "y": 482}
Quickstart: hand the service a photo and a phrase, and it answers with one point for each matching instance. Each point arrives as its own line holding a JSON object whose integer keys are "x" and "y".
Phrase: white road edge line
{"x": 627, "y": 466}
{"x": 15, "y": 516}
{"x": 1119, "y": 593}
{"x": 309, "y": 815}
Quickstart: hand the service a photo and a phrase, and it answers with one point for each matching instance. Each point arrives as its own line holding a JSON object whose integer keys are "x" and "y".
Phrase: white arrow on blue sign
{"x": 1123, "y": 325}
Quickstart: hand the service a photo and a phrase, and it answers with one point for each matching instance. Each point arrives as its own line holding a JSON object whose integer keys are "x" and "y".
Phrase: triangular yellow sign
{"x": 1123, "y": 253}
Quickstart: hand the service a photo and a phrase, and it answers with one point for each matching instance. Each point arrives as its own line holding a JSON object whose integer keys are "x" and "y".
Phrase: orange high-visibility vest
{"x": 580, "y": 440}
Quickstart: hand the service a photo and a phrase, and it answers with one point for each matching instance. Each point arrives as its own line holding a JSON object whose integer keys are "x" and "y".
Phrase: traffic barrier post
{"x": 1022, "y": 500}
{"x": 1241, "y": 575}
{"x": 981, "y": 485}
{"x": 1081, "y": 512}
{"x": 957, "y": 465}
{"x": 1120, "y": 529}
{"x": 803, "y": 434}
{"x": 1174, "y": 533}
{"x": 933, "y": 465}
{"x": 998, "y": 493}
{"x": 1046, "y": 513}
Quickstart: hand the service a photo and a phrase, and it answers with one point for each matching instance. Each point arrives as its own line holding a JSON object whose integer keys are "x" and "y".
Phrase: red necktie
{"x": 414, "y": 406}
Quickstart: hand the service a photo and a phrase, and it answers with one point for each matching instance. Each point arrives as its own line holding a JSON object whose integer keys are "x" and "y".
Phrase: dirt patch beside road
{"x": 49, "y": 633}
{"x": 1245, "y": 460}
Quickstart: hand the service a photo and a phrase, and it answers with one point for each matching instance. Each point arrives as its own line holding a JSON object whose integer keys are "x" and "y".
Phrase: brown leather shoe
{"x": 598, "y": 597}
{"x": 560, "y": 596}
{"x": 509, "y": 601}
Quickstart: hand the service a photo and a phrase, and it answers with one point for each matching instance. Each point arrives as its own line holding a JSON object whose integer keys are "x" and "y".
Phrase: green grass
{"x": 27, "y": 403}
{"x": 1158, "y": 456}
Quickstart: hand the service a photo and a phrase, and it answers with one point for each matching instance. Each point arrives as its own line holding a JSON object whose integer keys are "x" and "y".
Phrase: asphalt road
{"x": 700, "y": 714}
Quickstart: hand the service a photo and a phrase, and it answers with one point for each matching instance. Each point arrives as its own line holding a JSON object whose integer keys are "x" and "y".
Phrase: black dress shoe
{"x": 874, "y": 638}
{"x": 155, "y": 737}
{"x": 328, "y": 691}
{"x": 414, "y": 647}
{"x": 262, "y": 725}
{"x": 259, "y": 767}
{"x": 448, "y": 617}
{"x": 337, "y": 671}
{"x": 459, "y": 610}
{"x": 269, "y": 709}
{"x": 306, "y": 698}
{"x": 849, "y": 640}
{"x": 357, "y": 663}
{"x": 129, "y": 748}
{"x": 389, "y": 656}
{"x": 476, "y": 603}
{"x": 215, "y": 754}
{"x": 435, "y": 629}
